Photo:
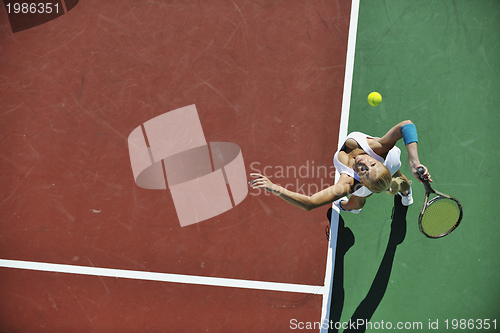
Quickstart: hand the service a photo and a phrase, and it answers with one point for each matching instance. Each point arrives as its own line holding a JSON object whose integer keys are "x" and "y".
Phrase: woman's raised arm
{"x": 393, "y": 135}
{"x": 407, "y": 131}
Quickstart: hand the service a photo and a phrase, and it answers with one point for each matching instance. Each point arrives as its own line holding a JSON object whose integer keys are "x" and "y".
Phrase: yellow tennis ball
{"x": 374, "y": 98}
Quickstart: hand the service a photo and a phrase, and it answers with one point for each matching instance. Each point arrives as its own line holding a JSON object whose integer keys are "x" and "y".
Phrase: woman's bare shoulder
{"x": 344, "y": 158}
{"x": 346, "y": 179}
{"x": 351, "y": 144}
{"x": 379, "y": 148}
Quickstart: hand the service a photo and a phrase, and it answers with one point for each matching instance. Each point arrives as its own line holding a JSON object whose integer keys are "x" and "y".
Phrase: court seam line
{"x": 161, "y": 277}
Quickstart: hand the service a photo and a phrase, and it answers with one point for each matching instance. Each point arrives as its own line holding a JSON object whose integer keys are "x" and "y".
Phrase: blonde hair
{"x": 395, "y": 186}
{"x": 381, "y": 182}
{"x": 384, "y": 182}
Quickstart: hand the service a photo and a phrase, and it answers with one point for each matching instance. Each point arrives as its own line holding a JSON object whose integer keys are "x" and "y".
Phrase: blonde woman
{"x": 366, "y": 165}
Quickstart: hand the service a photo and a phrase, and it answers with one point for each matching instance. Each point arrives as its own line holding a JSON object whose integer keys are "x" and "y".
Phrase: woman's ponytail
{"x": 395, "y": 186}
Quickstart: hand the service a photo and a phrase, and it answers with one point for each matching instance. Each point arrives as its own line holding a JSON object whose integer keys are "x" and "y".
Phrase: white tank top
{"x": 392, "y": 160}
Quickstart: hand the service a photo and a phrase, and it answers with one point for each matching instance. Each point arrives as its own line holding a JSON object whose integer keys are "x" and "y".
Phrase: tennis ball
{"x": 374, "y": 98}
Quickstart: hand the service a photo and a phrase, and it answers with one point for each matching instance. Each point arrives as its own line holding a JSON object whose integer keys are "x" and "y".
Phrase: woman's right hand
{"x": 263, "y": 182}
{"x": 425, "y": 175}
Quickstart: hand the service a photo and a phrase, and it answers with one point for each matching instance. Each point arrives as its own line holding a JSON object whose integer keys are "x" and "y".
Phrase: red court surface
{"x": 265, "y": 75}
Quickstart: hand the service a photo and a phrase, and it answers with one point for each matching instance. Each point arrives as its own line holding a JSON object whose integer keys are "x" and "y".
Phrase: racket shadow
{"x": 370, "y": 303}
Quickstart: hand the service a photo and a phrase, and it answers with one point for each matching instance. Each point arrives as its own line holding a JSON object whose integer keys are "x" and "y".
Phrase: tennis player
{"x": 366, "y": 165}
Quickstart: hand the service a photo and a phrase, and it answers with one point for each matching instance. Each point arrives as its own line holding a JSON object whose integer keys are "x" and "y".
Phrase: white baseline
{"x": 162, "y": 277}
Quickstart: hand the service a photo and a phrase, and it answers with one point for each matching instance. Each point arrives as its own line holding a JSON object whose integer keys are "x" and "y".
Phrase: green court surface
{"x": 436, "y": 63}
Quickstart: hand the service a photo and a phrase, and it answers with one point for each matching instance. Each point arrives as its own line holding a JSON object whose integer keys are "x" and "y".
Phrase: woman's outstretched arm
{"x": 326, "y": 196}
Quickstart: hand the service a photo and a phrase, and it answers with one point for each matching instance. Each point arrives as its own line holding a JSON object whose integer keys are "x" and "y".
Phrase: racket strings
{"x": 440, "y": 217}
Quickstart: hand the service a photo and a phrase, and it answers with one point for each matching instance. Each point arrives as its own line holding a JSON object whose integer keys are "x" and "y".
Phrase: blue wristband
{"x": 409, "y": 132}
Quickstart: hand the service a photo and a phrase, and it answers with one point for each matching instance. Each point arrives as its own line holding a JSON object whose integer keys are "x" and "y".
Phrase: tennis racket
{"x": 440, "y": 215}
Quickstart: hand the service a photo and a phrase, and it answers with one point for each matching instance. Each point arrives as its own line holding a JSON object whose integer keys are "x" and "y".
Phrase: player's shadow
{"x": 367, "y": 307}
{"x": 345, "y": 240}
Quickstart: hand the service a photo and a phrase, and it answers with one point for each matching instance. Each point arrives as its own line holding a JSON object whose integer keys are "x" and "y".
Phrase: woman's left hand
{"x": 262, "y": 182}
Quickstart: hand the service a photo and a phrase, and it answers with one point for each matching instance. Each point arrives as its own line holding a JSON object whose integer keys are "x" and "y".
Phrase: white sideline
{"x": 344, "y": 121}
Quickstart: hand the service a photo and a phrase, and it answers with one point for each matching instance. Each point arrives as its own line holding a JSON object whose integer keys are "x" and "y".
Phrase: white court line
{"x": 162, "y": 277}
{"x": 344, "y": 121}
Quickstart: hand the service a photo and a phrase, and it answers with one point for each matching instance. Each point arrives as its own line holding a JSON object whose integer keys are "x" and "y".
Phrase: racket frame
{"x": 428, "y": 191}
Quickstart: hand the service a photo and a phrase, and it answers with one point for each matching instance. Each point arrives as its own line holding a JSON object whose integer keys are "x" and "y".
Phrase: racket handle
{"x": 421, "y": 171}
{"x": 428, "y": 187}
